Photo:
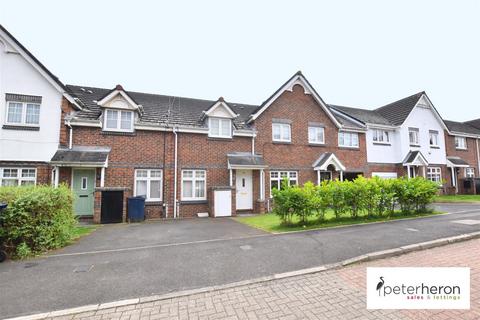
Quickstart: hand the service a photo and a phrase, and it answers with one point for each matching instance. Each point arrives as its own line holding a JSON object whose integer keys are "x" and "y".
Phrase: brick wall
{"x": 470, "y": 155}
{"x": 299, "y": 155}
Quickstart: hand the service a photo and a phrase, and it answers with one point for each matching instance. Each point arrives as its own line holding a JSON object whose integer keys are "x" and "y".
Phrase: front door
{"x": 244, "y": 190}
{"x": 83, "y": 185}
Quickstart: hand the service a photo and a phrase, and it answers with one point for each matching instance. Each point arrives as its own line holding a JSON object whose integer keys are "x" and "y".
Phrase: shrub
{"x": 38, "y": 218}
{"x": 374, "y": 196}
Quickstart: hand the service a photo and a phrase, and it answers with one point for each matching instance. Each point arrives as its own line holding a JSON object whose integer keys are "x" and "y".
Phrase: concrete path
{"x": 89, "y": 274}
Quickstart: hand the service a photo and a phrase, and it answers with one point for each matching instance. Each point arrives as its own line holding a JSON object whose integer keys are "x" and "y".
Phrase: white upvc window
{"x": 219, "y": 127}
{"x": 433, "y": 138}
{"x": 470, "y": 172}
{"x": 276, "y": 178}
{"x": 281, "y": 132}
{"x": 381, "y": 136}
{"x": 461, "y": 143}
{"x": 194, "y": 185}
{"x": 316, "y": 135}
{"x": 149, "y": 184}
{"x": 118, "y": 120}
{"x": 24, "y": 114}
{"x": 348, "y": 139}
{"x": 413, "y": 136}
{"x": 18, "y": 176}
{"x": 434, "y": 174}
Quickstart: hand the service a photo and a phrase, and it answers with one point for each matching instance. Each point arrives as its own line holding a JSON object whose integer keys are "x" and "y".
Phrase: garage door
{"x": 385, "y": 175}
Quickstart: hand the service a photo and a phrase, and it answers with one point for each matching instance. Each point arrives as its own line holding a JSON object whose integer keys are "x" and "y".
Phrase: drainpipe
{"x": 253, "y": 143}
{"x": 175, "y": 174}
{"x": 478, "y": 159}
{"x": 70, "y": 135}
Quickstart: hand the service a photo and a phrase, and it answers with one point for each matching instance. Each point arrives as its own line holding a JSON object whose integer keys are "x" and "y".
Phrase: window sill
{"x": 281, "y": 142}
{"x": 415, "y": 145}
{"x": 382, "y": 144}
{"x": 461, "y": 149}
{"x": 118, "y": 133}
{"x": 349, "y": 148}
{"x": 220, "y": 138}
{"x": 194, "y": 202}
{"x": 316, "y": 144}
{"x": 434, "y": 147}
{"x": 20, "y": 127}
{"x": 153, "y": 203}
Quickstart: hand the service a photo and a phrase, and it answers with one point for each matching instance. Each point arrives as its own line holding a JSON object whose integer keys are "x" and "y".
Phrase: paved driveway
{"x": 170, "y": 256}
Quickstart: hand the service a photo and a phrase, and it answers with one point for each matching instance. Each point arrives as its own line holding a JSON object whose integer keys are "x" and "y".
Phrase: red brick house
{"x": 178, "y": 151}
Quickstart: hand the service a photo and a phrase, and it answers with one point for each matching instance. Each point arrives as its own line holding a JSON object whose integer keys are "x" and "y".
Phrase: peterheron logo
{"x": 418, "y": 288}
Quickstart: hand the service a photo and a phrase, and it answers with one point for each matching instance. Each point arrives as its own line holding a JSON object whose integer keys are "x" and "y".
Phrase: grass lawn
{"x": 272, "y": 223}
{"x": 459, "y": 198}
{"x": 81, "y": 231}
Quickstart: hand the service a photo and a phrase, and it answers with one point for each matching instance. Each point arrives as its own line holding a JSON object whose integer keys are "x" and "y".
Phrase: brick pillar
{"x": 97, "y": 206}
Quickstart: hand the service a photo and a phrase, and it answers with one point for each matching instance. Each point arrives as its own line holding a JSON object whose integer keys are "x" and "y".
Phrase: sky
{"x": 355, "y": 53}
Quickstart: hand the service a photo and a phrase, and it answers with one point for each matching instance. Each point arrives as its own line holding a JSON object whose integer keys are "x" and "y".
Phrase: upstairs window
{"x": 316, "y": 135}
{"x": 413, "y": 136}
{"x": 219, "y": 128}
{"x": 117, "y": 120}
{"x": 461, "y": 143}
{"x": 20, "y": 113}
{"x": 148, "y": 183}
{"x": 348, "y": 139}
{"x": 381, "y": 136}
{"x": 281, "y": 132}
{"x": 433, "y": 138}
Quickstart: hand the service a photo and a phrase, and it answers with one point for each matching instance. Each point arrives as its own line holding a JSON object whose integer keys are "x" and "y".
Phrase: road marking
{"x": 412, "y": 229}
{"x": 246, "y": 247}
{"x": 469, "y": 222}
{"x": 156, "y": 246}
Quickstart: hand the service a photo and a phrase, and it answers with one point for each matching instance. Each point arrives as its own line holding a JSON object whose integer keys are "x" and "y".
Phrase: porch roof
{"x": 245, "y": 160}
{"x": 457, "y": 162}
{"x": 415, "y": 158}
{"x": 327, "y": 159}
{"x": 82, "y": 156}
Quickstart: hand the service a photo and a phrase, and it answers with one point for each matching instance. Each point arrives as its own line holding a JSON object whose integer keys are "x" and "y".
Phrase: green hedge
{"x": 38, "y": 218}
{"x": 366, "y": 197}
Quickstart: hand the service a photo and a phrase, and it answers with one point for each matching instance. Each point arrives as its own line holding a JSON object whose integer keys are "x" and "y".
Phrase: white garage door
{"x": 385, "y": 175}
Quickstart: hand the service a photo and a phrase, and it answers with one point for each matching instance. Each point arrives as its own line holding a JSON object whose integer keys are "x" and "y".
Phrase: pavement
{"x": 333, "y": 294}
{"x": 128, "y": 261}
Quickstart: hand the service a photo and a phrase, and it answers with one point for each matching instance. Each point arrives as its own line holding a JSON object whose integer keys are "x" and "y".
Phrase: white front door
{"x": 244, "y": 190}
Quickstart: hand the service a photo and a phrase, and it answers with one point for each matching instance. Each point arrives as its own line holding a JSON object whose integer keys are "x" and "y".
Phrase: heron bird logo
{"x": 380, "y": 285}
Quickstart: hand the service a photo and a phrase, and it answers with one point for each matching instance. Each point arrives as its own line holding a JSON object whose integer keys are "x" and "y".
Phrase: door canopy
{"x": 328, "y": 159}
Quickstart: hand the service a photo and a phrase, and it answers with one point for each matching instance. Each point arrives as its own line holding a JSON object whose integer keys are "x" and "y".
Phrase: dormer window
{"x": 118, "y": 120}
{"x": 219, "y": 127}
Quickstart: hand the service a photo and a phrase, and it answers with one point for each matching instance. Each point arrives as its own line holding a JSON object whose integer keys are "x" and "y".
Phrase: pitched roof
{"x": 363, "y": 115}
{"x": 397, "y": 112}
{"x": 48, "y": 72}
{"x": 461, "y": 127}
{"x": 412, "y": 156}
{"x": 457, "y": 161}
{"x": 159, "y": 109}
{"x": 474, "y": 123}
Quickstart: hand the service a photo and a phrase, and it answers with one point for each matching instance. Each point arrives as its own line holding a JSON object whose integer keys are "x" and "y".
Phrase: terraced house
{"x": 190, "y": 156}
